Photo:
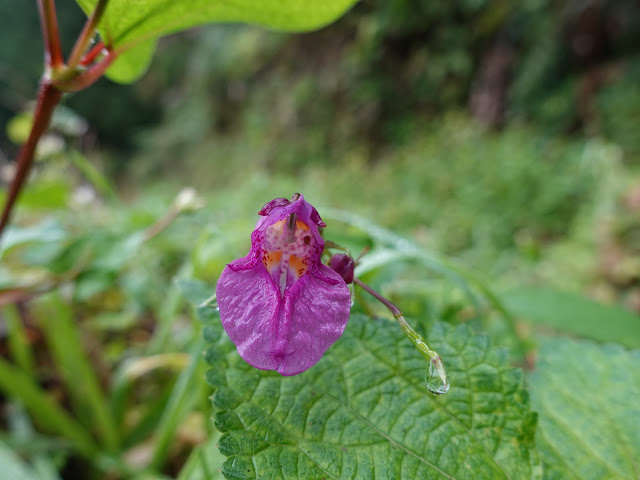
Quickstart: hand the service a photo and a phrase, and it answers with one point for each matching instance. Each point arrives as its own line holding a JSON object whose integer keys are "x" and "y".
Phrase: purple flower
{"x": 280, "y": 305}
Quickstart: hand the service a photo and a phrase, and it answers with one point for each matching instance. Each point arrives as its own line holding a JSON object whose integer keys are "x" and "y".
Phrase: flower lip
{"x": 280, "y": 305}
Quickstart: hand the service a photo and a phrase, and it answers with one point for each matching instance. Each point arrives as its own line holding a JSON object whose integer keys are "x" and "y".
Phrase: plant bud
{"x": 344, "y": 265}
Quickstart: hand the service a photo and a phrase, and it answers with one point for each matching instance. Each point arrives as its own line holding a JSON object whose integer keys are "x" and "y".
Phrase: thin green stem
{"x": 50, "y": 36}
{"x": 87, "y": 34}
{"x": 437, "y": 381}
{"x": 48, "y": 97}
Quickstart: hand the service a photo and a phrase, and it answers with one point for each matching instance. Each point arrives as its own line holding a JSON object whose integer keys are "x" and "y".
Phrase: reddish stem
{"x": 387, "y": 303}
{"x": 92, "y": 54}
{"x": 48, "y": 97}
{"x": 87, "y": 77}
{"x": 162, "y": 224}
{"x": 52, "y": 49}
{"x": 84, "y": 39}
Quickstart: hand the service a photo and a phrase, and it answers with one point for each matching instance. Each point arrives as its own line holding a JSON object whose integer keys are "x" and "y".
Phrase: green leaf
{"x": 587, "y": 398}
{"x": 43, "y": 409}
{"x": 204, "y": 463}
{"x": 44, "y": 194}
{"x": 364, "y": 412}
{"x": 402, "y": 249}
{"x": 196, "y": 291}
{"x": 47, "y": 231}
{"x": 18, "y": 339}
{"x": 57, "y": 323}
{"x": 178, "y": 405}
{"x": 125, "y": 26}
{"x": 91, "y": 173}
{"x": 13, "y": 467}
{"x": 132, "y": 64}
{"x": 573, "y": 313}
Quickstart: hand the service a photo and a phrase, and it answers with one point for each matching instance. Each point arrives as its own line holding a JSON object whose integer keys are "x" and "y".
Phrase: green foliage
{"x": 586, "y": 396}
{"x": 124, "y": 27}
{"x": 364, "y": 410}
{"x": 113, "y": 394}
{"x": 424, "y": 184}
{"x": 205, "y": 462}
{"x": 13, "y": 467}
{"x": 617, "y": 109}
{"x": 576, "y": 314}
{"x": 104, "y": 370}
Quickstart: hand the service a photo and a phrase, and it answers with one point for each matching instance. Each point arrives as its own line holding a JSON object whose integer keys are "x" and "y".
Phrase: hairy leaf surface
{"x": 364, "y": 412}
{"x": 587, "y": 397}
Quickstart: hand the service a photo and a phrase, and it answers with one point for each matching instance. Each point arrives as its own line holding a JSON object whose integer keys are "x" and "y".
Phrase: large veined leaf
{"x": 364, "y": 412}
{"x": 128, "y": 23}
{"x": 589, "y": 413}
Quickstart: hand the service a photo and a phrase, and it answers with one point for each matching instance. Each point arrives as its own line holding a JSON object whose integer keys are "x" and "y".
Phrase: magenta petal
{"x": 287, "y": 334}
{"x": 249, "y": 305}
{"x": 315, "y": 315}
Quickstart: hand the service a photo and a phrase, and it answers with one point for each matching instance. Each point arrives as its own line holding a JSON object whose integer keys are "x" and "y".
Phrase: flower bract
{"x": 280, "y": 305}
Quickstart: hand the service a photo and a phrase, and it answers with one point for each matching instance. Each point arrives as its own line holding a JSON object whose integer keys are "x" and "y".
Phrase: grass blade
{"x": 45, "y": 411}
{"x": 18, "y": 340}
{"x": 182, "y": 398}
{"x": 57, "y": 322}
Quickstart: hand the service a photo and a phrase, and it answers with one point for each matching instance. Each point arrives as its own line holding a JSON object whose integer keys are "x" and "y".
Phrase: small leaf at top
{"x": 126, "y": 24}
{"x": 132, "y": 63}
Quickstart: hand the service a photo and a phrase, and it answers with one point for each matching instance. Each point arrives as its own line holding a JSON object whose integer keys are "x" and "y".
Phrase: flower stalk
{"x": 48, "y": 97}
{"x": 437, "y": 380}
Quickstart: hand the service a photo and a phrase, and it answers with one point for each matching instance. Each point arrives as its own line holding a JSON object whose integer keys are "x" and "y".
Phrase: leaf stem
{"x": 48, "y": 97}
{"x": 87, "y": 34}
{"x": 162, "y": 224}
{"x": 97, "y": 49}
{"x": 436, "y": 366}
{"x": 50, "y": 36}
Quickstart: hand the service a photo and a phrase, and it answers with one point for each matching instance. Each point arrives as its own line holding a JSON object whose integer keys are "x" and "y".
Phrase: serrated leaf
{"x": 587, "y": 399}
{"x": 364, "y": 412}
{"x": 127, "y": 24}
{"x": 574, "y": 313}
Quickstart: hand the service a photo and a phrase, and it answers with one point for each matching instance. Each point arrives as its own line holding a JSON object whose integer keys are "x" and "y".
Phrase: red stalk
{"x": 88, "y": 32}
{"x": 50, "y": 36}
{"x": 92, "y": 54}
{"x": 48, "y": 97}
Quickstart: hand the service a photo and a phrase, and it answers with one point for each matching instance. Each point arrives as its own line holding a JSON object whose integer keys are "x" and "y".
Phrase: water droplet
{"x": 436, "y": 377}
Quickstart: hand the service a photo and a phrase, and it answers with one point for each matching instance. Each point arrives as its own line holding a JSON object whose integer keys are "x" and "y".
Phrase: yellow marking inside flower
{"x": 271, "y": 259}
{"x": 298, "y": 266}
{"x": 287, "y": 251}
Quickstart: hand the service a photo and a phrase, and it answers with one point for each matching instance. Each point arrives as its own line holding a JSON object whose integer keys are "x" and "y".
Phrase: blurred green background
{"x": 501, "y": 134}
